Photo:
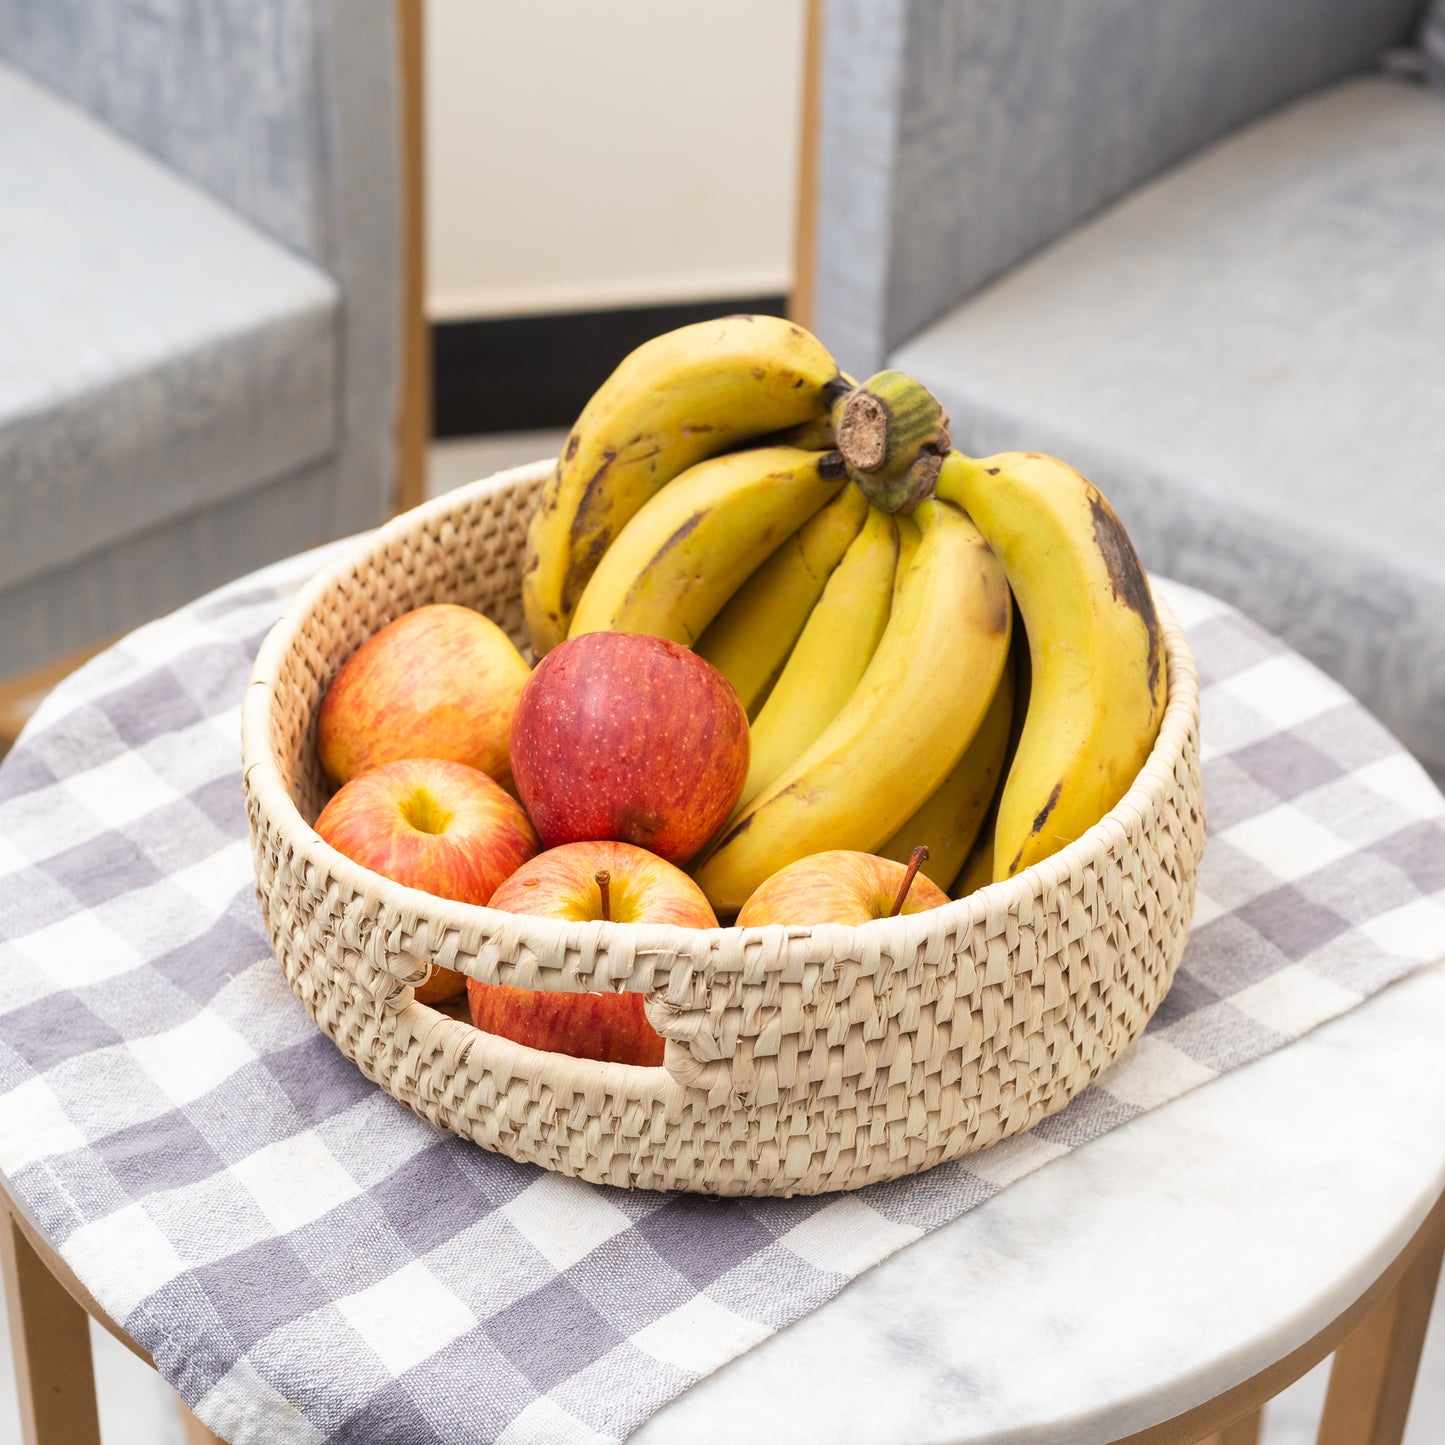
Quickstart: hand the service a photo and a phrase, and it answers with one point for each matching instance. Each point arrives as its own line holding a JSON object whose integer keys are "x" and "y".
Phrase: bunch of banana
{"x": 855, "y": 579}
{"x": 916, "y": 708}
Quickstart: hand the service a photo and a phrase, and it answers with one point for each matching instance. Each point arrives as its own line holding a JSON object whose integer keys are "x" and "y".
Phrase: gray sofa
{"x": 199, "y": 311}
{"x": 1195, "y": 247}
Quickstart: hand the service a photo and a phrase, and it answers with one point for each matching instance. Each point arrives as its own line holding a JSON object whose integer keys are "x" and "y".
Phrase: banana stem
{"x": 604, "y": 881}
{"x": 862, "y": 431}
{"x": 893, "y": 435}
{"x": 916, "y": 859}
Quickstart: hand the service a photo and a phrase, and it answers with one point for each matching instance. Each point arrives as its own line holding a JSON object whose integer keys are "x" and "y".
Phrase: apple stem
{"x": 604, "y": 882}
{"x": 916, "y": 860}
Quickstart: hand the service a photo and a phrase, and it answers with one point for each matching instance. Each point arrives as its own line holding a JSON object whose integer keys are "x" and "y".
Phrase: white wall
{"x": 595, "y": 153}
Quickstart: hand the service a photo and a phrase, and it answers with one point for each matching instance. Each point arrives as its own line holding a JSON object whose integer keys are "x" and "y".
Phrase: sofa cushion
{"x": 1248, "y": 356}
{"x": 158, "y": 356}
{"x": 140, "y": 578}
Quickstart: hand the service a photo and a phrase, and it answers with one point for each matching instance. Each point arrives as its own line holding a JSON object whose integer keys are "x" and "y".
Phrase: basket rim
{"x": 262, "y": 781}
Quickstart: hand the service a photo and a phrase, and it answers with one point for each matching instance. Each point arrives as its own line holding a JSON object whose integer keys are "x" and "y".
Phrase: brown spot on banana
{"x": 591, "y": 493}
{"x": 680, "y": 535}
{"x": 723, "y": 838}
{"x": 573, "y": 442}
{"x": 579, "y": 573}
{"x": 1037, "y": 826}
{"x": 1002, "y": 620}
{"x": 580, "y": 568}
{"x": 1127, "y": 581}
{"x": 1042, "y": 816}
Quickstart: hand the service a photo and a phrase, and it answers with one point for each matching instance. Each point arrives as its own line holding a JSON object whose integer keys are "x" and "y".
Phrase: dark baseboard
{"x": 524, "y": 373}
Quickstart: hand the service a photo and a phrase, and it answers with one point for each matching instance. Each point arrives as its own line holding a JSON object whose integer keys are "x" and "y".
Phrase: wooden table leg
{"x": 1242, "y": 1432}
{"x": 50, "y": 1335}
{"x": 1373, "y": 1374}
{"x": 196, "y": 1433}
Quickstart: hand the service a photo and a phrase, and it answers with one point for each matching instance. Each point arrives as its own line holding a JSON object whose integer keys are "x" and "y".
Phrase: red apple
{"x": 582, "y": 881}
{"x": 435, "y": 825}
{"x": 622, "y": 736}
{"x": 841, "y": 887}
{"x": 438, "y": 682}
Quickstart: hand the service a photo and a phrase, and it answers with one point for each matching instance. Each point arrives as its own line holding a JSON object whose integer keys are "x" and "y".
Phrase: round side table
{"x": 1160, "y": 1284}
{"x": 49, "y": 1311}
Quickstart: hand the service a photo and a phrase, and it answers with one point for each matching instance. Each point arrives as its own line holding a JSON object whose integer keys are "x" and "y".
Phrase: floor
{"x": 136, "y": 1407}
{"x": 467, "y": 458}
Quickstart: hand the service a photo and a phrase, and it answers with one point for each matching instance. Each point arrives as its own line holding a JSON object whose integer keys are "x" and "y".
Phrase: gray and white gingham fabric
{"x": 307, "y": 1261}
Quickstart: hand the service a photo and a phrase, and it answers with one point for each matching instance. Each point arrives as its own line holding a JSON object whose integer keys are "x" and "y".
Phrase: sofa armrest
{"x": 959, "y": 136}
{"x": 286, "y": 110}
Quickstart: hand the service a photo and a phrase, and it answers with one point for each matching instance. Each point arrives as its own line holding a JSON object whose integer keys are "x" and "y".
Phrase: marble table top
{"x": 1125, "y": 1283}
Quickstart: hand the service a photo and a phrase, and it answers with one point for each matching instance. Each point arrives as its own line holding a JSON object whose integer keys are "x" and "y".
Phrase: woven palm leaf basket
{"x": 798, "y": 1060}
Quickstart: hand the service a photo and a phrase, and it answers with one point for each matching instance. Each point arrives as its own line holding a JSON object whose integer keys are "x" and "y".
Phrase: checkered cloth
{"x": 308, "y": 1261}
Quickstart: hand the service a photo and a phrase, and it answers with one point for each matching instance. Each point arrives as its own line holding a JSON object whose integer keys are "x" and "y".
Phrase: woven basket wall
{"x": 798, "y": 1060}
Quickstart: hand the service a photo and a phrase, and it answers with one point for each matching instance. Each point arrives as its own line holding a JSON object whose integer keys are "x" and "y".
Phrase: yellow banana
{"x": 750, "y": 639}
{"x": 816, "y": 435}
{"x": 684, "y": 395}
{"x": 831, "y": 655}
{"x": 688, "y": 549}
{"x": 1097, "y": 657}
{"x": 949, "y": 822}
{"x": 898, "y": 736}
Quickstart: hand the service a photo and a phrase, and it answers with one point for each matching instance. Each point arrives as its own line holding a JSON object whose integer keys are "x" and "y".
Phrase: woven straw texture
{"x": 798, "y": 1060}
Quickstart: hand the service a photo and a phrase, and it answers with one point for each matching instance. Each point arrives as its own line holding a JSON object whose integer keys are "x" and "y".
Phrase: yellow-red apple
{"x": 841, "y": 886}
{"x": 622, "y": 736}
{"x": 441, "y": 681}
{"x": 579, "y": 882}
{"x": 431, "y": 824}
